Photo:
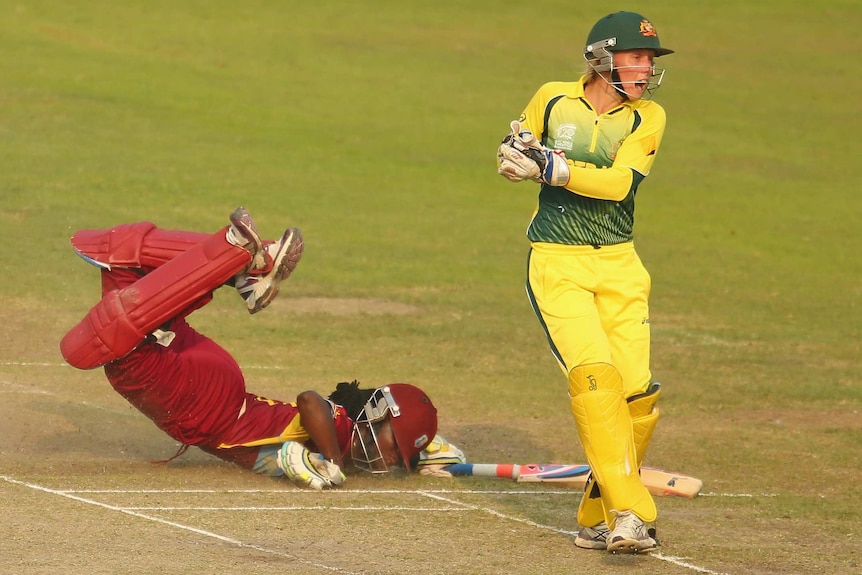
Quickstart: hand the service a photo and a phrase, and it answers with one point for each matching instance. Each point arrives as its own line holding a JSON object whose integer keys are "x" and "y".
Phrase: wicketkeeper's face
{"x": 373, "y": 446}
{"x": 636, "y": 70}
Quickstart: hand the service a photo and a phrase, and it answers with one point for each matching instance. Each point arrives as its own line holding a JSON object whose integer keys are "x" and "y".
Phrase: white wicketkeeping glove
{"x": 307, "y": 468}
{"x": 439, "y": 454}
{"x": 556, "y": 172}
{"x": 522, "y": 157}
{"x": 516, "y": 166}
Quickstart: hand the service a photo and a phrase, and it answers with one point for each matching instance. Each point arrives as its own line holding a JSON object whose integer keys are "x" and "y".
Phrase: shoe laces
{"x": 599, "y": 532}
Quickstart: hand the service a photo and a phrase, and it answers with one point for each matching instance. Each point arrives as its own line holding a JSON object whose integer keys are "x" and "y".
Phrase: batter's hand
{"x": 437, "y": 456}
{"x": 308, "y": 469}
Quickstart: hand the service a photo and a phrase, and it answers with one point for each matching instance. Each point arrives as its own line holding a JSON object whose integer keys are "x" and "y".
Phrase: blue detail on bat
{"x": 555, "y": 471}
{"x": 460, "y": 469}
{"x": 515, "y": 471}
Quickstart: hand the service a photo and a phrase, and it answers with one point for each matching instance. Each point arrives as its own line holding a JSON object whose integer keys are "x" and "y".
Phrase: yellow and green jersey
{"x": 608, "y": 157}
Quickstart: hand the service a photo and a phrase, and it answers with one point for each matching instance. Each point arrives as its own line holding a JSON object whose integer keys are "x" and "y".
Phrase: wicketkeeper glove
{"x": 434, "y": 459}
{"x": 307, "y": 468}
{"x": 522, "y": 157}
{"x": 556, "y": 171}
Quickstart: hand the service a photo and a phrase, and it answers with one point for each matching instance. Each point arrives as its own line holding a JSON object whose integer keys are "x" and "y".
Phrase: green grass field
{"x": 373, "y": 127}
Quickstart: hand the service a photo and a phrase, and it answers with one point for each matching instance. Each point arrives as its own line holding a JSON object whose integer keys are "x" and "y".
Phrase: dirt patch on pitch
{"x": 350, "y": 306}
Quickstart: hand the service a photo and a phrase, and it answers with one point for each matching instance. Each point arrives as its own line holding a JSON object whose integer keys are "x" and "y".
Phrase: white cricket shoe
{"x": 631, "y": 535}
{"x": 242, "y": 231}
{"x": 259, "y": 289}
{"x": 595, "y": 537}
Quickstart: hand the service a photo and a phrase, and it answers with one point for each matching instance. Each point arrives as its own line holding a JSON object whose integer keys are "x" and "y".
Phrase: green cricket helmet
{"x": 623, "y": 31}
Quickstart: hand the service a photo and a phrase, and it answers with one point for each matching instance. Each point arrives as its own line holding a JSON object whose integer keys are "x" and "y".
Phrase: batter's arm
{"x": 316, "y": 416}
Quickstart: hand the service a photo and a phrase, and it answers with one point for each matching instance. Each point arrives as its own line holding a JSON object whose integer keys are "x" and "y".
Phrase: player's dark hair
{"x": 351, "y": 397}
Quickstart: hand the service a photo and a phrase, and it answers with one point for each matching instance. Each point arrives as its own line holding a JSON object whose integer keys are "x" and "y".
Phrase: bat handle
{"x": 505, "y": 470}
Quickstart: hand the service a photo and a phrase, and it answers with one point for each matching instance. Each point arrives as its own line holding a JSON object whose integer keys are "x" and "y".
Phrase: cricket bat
{"x": 659, "y": 482}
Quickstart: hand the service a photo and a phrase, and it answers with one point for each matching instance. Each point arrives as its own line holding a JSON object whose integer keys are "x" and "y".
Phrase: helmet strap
{"x": 617, "y": 84}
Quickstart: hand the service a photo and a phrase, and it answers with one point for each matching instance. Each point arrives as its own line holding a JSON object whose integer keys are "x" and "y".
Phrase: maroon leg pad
{"x": 138, "y": 245}
{"x": 118, "y": 278}
{"x": 103, "y": 335}
{"x": 123, "y": 318}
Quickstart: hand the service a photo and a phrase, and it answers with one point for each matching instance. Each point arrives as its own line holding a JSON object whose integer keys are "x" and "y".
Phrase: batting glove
{"x": 438, "y": 455}
{"x": 308, "y": 469}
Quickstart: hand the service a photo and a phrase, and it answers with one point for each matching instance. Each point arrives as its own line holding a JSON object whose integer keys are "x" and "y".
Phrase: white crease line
{"x": 299, "y": 508}
{"x": 429, "y": 493}
{"x": 432, "y": 494}
{"x": 572, "y": 492}
{"x": 205, "y": 533}
{"x": 738, "y": 495}
{"x": 494, "y": 512}
{"x": 7, "y": 386}
{"x": 331, "y": 491}
{"x": 667, "y": 558}
{"x": 14, "y": 387}
{"x": 10, "y": 387}
{"x": 678, "y": 561}
{"x": 32, "y": 364}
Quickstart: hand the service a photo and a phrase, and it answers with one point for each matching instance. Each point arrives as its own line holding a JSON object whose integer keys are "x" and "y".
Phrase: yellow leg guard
{"x": 605, "y": 430}
{"x": 591, "y": 512}
{"x": 644, "y": 418}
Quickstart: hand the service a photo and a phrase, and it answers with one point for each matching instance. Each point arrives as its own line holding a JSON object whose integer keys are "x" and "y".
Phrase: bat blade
{"x": 659, "y": 482}
{"x": 535, "y": 472}
{"x": 663, "y": 483}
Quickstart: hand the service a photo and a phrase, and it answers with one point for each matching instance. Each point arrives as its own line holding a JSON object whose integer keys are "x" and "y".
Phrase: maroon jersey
{"x": 194, "y": 391}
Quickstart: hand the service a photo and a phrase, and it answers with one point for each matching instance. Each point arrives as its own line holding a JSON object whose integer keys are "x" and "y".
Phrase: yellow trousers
{"x": 593, "y": 304}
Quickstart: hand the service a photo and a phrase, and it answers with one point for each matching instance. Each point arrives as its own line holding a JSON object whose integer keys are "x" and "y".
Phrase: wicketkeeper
{"x": 589, "y": 145}
{"x": 194, "y": 391}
